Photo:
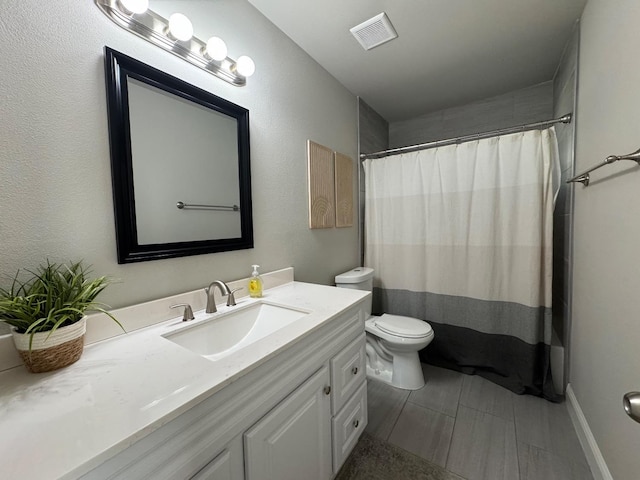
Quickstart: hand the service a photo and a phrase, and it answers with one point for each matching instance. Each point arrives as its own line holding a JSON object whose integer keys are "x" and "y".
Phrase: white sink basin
{"x": 229, "y": 332}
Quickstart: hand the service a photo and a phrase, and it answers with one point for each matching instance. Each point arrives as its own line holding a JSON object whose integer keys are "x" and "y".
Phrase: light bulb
{"x": 216, "y": 49}
{"x": 245, "y": 66}
{"x": 134, "y": 6}
{"x": 180, "y": 27}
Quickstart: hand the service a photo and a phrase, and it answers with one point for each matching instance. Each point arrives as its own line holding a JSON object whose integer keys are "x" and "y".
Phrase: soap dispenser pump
{"x": 255, "y": 283}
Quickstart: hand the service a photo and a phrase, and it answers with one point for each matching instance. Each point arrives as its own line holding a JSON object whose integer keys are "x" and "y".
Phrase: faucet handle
{"x": 231, "y": 299}
{"x": 188, "y": 311}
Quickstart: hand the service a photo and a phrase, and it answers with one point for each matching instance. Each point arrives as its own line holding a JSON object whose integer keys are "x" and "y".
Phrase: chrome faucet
{"x": 210, "y": 290}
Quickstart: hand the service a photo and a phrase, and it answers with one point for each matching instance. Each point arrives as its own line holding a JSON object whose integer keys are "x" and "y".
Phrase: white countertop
{"x": 62, "y": 424}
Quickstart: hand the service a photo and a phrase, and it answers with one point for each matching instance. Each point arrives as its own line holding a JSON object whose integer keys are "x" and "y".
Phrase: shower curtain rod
{"x": 467, "y": 138}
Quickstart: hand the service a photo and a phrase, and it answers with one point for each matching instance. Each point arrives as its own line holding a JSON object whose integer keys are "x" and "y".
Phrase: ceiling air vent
{"x": 374, "y": 32}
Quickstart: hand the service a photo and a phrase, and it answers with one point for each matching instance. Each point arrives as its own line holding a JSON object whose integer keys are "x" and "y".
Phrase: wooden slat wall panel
{"x": 321, "y": 186}
{"x": 344, "y": 190}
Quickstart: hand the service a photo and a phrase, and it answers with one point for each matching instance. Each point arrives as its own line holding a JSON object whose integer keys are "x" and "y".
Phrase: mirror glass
{"x": 165, "y": 172}
{"x": 180, "y": 165}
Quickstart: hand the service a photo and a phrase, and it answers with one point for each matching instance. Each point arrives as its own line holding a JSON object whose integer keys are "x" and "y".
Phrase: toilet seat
{"x": 403, "y": 326}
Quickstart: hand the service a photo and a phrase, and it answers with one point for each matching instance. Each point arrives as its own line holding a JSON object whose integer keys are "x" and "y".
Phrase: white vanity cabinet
{"x": 296, "y": 415}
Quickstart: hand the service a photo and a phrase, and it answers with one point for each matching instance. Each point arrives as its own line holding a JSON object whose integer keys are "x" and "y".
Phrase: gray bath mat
{"x": 374, "y": 459}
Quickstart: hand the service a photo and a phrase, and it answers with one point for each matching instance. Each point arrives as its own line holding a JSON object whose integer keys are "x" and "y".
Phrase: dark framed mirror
{"x": 180, "y": 165}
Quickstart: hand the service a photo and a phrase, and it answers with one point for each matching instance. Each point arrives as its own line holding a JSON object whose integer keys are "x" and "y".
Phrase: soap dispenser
{"x": 255, "y": 283}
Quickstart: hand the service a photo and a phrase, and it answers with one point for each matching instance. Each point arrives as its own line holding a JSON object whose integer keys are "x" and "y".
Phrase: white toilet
{"x": 393, "y": 341}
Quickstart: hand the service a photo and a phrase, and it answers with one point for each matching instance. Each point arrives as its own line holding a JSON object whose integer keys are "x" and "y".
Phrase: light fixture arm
{"x": 153, "y": 27}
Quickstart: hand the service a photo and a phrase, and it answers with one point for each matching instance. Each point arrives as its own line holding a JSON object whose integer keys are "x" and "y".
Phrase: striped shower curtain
{"x": 461, "y": 237}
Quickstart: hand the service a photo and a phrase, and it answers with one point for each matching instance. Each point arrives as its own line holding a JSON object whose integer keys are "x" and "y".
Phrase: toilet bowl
{"x": 393, "y": 341}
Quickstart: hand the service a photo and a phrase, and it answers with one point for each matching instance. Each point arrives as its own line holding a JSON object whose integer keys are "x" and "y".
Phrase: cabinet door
{"x": 227, "y": 465}
{"x": 293, "y": 441}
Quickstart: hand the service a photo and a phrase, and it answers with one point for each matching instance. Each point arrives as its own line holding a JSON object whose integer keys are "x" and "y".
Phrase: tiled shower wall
{"x": 373, "y": 136}
{"x": 532, "y": 104}
{"x": 564, "y": 101}
{"x": 373, "y": 129}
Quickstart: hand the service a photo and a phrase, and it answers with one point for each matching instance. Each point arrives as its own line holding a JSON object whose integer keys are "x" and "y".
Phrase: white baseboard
{"x": 592, "y": 452}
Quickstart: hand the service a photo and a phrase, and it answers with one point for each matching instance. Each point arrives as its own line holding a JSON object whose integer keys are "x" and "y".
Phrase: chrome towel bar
{"x": 584, "y": 176}
{"x": 195, "y": 206}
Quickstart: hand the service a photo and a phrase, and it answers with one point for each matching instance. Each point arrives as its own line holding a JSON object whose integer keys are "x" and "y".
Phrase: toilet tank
{"x": 360, "y": 278}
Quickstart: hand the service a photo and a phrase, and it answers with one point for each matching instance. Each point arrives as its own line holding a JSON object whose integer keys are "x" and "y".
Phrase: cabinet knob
{"x": 327, "y": 390}
{"x": 354, "y": 370}
{"x": 631, "y": 403}
{"x": 356, "y": 423}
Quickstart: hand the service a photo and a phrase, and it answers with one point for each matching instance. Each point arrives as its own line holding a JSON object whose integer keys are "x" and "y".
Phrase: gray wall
{"x": 55, "y": 180}
{"x": 531, "y": 104}
{"x": 605, "y": 331}
{"x": 564, "y": 96}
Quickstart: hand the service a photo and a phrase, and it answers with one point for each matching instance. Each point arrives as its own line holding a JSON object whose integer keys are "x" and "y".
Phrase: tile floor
{"x": 477, "y": 429}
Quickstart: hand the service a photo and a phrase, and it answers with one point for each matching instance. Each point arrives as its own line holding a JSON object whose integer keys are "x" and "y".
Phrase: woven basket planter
{"x": 51, "y": 351}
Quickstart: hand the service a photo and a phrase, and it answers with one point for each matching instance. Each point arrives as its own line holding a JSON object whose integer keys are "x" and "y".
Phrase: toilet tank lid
{"x": 357, "y": 275}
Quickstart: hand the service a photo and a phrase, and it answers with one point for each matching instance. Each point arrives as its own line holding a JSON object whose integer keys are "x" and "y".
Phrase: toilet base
{"x": 410, "y": 377}
{"x": 379, "y": 374}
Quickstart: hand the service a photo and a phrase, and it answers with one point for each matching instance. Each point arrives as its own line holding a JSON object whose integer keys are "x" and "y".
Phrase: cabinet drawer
{"x": 348, "y": 370}
{"x": 348, "y": 425}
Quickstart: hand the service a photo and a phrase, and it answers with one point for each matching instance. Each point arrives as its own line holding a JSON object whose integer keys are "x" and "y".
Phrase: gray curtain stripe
{"x": 529, "y": 324}
{"x": 520, "y": 364}
{"x": 508, "y": 361}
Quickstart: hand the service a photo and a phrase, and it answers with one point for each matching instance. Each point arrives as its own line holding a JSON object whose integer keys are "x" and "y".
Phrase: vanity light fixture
{"x": 134, "y": 6}
{"x": 216, "y": 49}
{"x": 244, "y": 66}
{"x": 180, "y": 27}
{"x": 175, "y": 35}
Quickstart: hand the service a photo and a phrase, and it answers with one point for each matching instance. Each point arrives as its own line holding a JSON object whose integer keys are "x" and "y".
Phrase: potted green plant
{"x": 47, "y": 313}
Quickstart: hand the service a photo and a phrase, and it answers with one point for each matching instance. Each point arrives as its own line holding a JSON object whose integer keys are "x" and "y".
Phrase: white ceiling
{"x": 448, "y": 52}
